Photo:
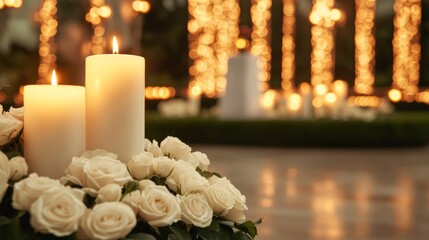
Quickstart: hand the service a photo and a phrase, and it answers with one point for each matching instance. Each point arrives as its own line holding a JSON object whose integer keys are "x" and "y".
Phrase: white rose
{"x": 18, "y": 168}
{"x": 74, "y": 171}
{"x": 203, "y": 160}
{"x": 163, "y": 166}
{"x": 141, "y": 166}
{"x": 109, "y": 220}
{"x": 196, "y": 210}
{"x": 3, "y": 184}
{"x": 220, "y": 198}
{"x": 4, "y": 164}
{"x": 159, "y": 207}
{"x": 17, "y": 113}
{"x": 191, "y": 160}
{"x": 26, "y": 191}
{"x": 57, "y": 211}
{"x": 110, "y": 193}
{"x": 153, "y": 148}
{"x": 236, "y": 215}
{"x": 145, "y": 183}
{"x": 101, "y": 171}
{"x": 240, "y": 199}
{"x": 98, "y": 153}
{"x": 181, "y": 167}
{"x": 174, "y": 148}
{"x": 191, "y": 181}
{"x": 9, "y": 128}
{"x": 133, "y": 199}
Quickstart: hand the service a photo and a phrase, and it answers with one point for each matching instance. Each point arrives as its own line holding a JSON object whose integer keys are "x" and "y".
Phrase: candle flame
{"x": 115, "y": 45}
{"x": 54, "y": 81}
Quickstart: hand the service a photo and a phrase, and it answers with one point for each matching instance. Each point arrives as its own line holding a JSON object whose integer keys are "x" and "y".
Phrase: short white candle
{"x": 194, "y": 100}
{"x": 294, "y": 105}
{"x": 115, "y": 103}
{"x": 54, "y": 127}
{"x": 307, "y": 98}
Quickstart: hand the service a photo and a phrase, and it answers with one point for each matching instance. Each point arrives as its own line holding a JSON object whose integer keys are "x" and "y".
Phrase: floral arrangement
{"x": 165, "y": 192}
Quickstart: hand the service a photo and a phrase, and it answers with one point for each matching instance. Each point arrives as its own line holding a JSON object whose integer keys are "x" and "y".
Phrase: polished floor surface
{"x": 374, "y": 194}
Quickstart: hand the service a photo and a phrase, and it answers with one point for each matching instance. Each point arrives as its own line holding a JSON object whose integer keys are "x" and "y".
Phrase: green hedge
{"x": 401, "y": 129}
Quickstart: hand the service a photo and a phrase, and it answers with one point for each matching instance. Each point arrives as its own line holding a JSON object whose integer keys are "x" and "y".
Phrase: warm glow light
{"x": 47, "y": 48}
{"x": 54, "y": 81}
{"x": 213, "y": 30}
{"x": 260, "y": 13}
{"x": 394, "y": 95}
{"x": 323, "y": 42}
{"x": 141, "y": 6}
{"x": 320, "y": 90}
{"x": 294, "y": 102}
{"x": 269, "y": 99}
{"x": 241, "y": 43}
{"x": 365, "y": 101}
{"x": 305, "y": 87}
{"x": 336, "y": 14}
{"x": 104, "y": 11}
{"x": 97, "y": 14}
{"x": 330, "y": 97}
{"x": 365, "y": 46}
{"x": 288, "y": 45}
{"x": 195, "y": 91}
{"x": 115, "y": 46}
{"x": 159, "y": 93}
{"x": 406, "y": 47}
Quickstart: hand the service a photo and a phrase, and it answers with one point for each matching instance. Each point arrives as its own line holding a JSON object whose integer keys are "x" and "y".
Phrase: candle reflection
{"x": 268, "y": 190}
{"x": 325, "y": 206}
{"x": 403, "y": 204}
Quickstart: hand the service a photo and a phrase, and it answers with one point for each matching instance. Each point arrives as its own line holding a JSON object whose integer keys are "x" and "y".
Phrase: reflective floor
{"x": 374, "y": 194}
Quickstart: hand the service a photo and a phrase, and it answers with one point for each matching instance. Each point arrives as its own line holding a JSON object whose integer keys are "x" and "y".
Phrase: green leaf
{"x": 259, "y": 221}
{"x": 5, "y": 220}
{"x": 207, "y": 174}
{"x": 206, "y": 234}
{"x": 180, "y": 233}
{"x": 213, "y": 226}
{"x": 140, "y": 236}
{"x": 241, "y": 236}
{"x": 129, "y": 187}
{"x": 248, "y": 227}
{"x": 89, "y": 201}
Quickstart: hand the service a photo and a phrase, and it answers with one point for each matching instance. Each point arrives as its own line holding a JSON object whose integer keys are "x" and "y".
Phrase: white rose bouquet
{"x": 166, "y": 193}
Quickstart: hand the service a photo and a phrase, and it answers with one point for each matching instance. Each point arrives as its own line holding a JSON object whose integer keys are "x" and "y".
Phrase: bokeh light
{"x": 394, "y": 95}
{"x": 141, "y": 6}
{"x": 47, "y": 16}
{"x": 365, "y": 46}
{"x": 213, "y": 31}
{"x": 260, "y": 13}
{"x": 97, "y": 14}
{"x": 406, "y": 47}
{"x": 288, "y": 45}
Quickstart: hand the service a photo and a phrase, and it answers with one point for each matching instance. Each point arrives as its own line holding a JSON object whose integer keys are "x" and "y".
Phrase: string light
{"x": 96, "y": 15}
{"x": 47, "y": 47}
{"x": 365, "y": 46}
{"x": 288, "y": 44}
{"x": 406, "y": 47}
{"x": 213, "y": 30}
{"x": 10, "y": 3}
{"x": 261, "y": 14}
{"x": 322, "y": 40}
{"x": 423, "y": 97}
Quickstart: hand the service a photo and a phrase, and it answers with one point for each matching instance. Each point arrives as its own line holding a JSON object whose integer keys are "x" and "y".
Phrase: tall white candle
{"x": 115, "y": 103}
{"x": 54, "y": 127}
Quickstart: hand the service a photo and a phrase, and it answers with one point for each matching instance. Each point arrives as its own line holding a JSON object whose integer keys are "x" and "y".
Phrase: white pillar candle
{"x": 54, "y": 127}
{"x": 115, "y": 103}
{"x": 294, "y": 106}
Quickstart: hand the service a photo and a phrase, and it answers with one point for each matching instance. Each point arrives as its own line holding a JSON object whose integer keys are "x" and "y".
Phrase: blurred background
{"x": 161, "y": 31}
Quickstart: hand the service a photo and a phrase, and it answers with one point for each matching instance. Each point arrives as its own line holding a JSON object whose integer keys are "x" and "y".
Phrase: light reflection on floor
{"x": 324, "y": 194}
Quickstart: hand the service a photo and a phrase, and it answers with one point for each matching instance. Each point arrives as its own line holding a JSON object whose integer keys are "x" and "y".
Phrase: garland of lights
{"x": 365, "y": 46}
{"x": 47, "y": 48}
{"x": 261, "y": 14}
{"x": 322, "y": 40}
{"x": 96, "y": 15}
{"x": 288, "y": 44}
{"x": 406, "y": 47}
{"x": 213, "y": 29}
